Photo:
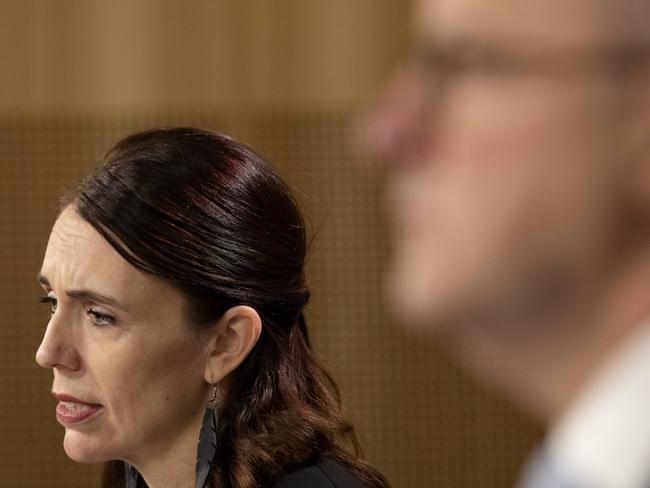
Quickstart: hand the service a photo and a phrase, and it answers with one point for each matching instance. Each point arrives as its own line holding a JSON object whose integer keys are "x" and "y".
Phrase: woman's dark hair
{"x": 209, "y": 216}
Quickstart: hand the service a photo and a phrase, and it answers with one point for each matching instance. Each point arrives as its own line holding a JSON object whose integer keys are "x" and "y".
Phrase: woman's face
{"x": 117, "y": 342}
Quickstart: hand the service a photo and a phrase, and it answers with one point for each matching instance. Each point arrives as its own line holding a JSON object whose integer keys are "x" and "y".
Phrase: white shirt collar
{"x": 604, "y": 439}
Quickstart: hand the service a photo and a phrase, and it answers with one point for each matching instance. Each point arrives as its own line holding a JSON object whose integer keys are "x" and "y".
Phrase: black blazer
{"x": 326, "y": 473}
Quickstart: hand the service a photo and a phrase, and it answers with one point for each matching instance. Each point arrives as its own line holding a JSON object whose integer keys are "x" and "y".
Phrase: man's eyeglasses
{"x": 443, "y": 64}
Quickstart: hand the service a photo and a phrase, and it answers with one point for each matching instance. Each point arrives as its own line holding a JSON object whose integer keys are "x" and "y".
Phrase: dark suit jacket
{"x": 326, "y": 473}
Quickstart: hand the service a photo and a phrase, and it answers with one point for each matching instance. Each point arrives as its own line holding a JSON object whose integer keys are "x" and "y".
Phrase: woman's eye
{"x": 100, "y": 319}
{"x": 51, "y": 301}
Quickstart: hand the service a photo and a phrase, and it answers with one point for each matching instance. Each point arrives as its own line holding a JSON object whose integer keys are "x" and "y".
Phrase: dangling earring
{"x": 207, "y": 440}
{"x": 131, "y": 476}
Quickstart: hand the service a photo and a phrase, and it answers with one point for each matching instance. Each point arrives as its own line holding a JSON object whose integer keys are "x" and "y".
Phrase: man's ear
{"x": 236, "y": 334}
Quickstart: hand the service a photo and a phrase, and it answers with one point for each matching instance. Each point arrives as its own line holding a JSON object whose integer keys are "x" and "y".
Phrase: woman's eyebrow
{"x": 40, "y": 277}
{"x": 94, "y": 296}
{"x": 86, "y": 294}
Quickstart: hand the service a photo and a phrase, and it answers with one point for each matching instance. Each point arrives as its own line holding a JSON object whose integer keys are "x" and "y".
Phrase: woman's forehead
{"x": 78, "y": 257}
{"x": 75, "y": 245}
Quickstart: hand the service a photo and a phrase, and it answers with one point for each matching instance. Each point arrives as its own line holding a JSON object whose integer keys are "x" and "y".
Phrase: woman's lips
{"x": 71, "y": 410}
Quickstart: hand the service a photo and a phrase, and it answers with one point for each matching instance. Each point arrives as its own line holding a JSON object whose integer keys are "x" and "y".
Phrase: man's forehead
{"x": 556, "y": 23}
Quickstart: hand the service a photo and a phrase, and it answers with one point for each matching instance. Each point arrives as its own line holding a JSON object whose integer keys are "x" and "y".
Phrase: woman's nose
{"x": 57, "y": 349}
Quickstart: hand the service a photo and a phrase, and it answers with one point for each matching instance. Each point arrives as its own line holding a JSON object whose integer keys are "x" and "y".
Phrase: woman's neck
{"x": 174, "y": 465}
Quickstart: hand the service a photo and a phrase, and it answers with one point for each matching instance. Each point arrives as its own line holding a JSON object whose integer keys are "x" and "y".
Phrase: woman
{"x": 174, "y": 277}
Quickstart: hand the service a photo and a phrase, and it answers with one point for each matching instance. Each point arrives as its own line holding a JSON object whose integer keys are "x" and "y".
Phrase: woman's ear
{"x": 237, "y": 332}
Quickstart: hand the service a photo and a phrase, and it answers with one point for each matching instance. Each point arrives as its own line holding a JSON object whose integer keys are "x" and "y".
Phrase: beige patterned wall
{"x": 138, "y": 53}
{"x": 284, "y": 76}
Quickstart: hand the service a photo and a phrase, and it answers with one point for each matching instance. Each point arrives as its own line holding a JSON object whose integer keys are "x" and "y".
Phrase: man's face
{"x": 502, "y": 138}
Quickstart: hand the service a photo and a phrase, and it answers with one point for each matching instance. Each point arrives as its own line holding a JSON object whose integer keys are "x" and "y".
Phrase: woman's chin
{"x": 82, "y": 448}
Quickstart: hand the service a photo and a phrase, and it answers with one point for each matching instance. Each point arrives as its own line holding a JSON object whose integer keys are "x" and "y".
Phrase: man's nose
{"x": 396, "y": 128}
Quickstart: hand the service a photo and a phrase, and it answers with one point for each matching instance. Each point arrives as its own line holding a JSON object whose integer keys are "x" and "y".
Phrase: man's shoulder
{"x": 324, "y": 473}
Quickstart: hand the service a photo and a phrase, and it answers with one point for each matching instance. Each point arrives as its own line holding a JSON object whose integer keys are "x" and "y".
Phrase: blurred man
{"x": 518, "y": 142}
